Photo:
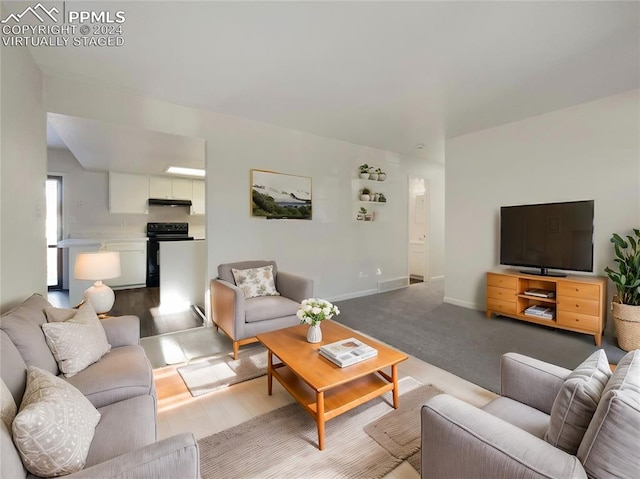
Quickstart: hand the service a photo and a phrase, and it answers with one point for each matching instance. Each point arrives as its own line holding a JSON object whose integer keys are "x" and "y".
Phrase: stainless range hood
{"x": 168, "y": 202}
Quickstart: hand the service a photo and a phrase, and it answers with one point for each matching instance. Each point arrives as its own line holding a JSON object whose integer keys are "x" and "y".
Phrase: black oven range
{"x": 157, "y": 232}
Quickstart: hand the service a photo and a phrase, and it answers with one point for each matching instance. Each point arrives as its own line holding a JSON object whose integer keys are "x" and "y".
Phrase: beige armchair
{"x": 550, "y": 422}
{"x": 242, "y": 319}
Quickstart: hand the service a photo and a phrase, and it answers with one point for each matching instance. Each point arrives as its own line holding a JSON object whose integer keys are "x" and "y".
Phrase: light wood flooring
{"x": 179, "y": 412}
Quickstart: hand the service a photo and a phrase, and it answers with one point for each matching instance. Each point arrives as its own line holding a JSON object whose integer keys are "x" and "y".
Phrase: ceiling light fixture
{"x": 180, "y": 170}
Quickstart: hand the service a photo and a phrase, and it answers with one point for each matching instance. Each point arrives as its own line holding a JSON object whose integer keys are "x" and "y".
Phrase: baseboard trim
{"x": 357, "y": 294}
{"x": 464, "y": 304}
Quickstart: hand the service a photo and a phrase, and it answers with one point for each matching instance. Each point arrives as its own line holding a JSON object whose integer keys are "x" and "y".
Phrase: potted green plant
{"x": 361, "y": 213}
{"x": 373, "y": 175}
{"x": 381, "y": 174}
{"x": 364, "y": 194}
{"x": 626, "y": 303}
{"x": 382, "y": 198}
{"x": 364, "y": 171}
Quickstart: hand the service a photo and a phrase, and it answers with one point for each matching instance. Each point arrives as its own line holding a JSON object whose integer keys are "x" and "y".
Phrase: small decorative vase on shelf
{"x": 314, "y": 335}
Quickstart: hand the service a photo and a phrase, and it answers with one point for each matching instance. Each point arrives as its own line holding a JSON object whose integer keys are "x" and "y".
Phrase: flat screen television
{"x": 548, "y": 236}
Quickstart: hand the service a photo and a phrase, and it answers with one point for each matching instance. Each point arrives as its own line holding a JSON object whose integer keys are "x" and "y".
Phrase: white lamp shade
{"x": 97, "y": 266}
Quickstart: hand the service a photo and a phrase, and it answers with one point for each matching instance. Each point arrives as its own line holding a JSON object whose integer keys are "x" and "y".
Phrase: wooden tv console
{"x": 578, "y": 302}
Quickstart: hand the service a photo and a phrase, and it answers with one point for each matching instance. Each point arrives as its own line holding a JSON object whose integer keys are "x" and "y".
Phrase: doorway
{"x": 53, "y": 195}
{"x": 418, "y": 229}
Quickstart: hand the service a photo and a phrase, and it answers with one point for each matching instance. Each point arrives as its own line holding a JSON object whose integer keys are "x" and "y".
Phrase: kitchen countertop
{"x": 70, "y": 242}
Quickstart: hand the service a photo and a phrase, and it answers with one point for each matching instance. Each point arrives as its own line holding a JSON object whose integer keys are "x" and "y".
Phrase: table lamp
{"x": 97, "y": 267}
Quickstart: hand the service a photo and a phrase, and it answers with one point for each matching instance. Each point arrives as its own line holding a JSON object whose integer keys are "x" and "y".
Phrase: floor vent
{"x": 390, "y": 284}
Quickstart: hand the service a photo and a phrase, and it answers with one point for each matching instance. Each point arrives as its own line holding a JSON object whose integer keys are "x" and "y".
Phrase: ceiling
{"x": 389, "y": 75}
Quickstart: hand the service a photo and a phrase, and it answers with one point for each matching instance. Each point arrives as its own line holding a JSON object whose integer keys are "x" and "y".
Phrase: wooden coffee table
{"x": 323, "y": 389}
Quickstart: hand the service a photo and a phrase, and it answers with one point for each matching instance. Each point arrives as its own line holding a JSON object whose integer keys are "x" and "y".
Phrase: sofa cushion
{"x": 10, "y": 463}
{"x": 139, "y": 415}
{"x": 75, "y": 336}
{"x": 122, "y": 374}
{"x": 55, "y": 425}
{"x": 255, "y": 282}
{"x": 224, "y": 270}
{"x": 269, "y": 307}
{"x": 13, "y": 370}
{"x": 524, "y": 417}
{"x": 611, "y": 445}
{"x": 8, "y": 409}
{"x": 577, "y": 401}
{"x": 23, "y": 324}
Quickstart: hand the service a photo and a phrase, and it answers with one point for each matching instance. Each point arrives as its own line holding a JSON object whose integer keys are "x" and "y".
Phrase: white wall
{"x": 86, "y": 204}
{"x": 590, "y": 151}
{"x": 344, "y": 257}
{"x": 22, "y": 178}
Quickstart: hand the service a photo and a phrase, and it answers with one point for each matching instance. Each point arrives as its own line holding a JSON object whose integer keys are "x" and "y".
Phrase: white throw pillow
{"x": 8, "y": 408}
{"x": 54, "y": 427}
{"x": 256, "y": 282}
{"x": 76, "y": 337}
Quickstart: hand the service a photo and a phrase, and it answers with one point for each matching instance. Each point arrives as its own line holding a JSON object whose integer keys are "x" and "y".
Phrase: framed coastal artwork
{"x": 280, "y": 196}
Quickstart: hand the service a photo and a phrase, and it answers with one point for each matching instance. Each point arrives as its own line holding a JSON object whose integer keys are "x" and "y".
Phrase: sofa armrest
{"x": 227, "y": 302}
{"x": 461, "y": 441}
{"x": 294, "y": 287}
{"x": 531, "y": 381}
{"x": 122, "y": 330}
{"x": 175, "y": 457}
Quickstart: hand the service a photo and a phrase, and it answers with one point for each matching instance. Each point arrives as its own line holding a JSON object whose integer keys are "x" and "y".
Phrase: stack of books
{"x": 540, "y": 311}
{"x": 347, "y": 352}
{"x": 542, "y": 293}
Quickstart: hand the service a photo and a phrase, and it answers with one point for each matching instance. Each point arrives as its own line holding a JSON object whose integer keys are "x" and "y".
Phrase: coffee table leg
{"x": 394, "y": 377}
{"x": 320, "y": 418}
{"x": 270, "y": 373}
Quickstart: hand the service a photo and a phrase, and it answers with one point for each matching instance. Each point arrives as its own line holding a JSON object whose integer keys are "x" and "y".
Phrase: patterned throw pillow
{"x": 76, "y": 337}
{"x": 577, "y": 401}
{"x": 54, "y": 427}
{"x": 256, "y": 282}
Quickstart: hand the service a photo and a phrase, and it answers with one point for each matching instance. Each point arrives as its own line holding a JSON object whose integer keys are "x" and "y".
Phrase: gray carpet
{"x": 462, "y": 341}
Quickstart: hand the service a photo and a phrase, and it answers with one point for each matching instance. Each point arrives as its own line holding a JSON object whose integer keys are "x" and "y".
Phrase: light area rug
{"x": 211, "y": 374}
{"x": 283, "y": 443}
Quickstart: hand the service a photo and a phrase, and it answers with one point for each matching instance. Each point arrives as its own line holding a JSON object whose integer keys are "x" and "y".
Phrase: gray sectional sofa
{"x": 120, "y": 385}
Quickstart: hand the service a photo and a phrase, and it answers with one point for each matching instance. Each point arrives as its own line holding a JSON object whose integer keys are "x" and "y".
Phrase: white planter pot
{"x": 364, "y": 176}
{"x": 373, "y": 176}
{"x": 365, "y": 198}
{"x": 382, "y": 176}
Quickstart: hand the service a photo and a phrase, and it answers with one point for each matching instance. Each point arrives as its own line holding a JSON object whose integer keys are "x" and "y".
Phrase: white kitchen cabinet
{"x": 198, "y": 200}
{"x": 170, "y": 188}
{"x": 133, "y": 264}
{"x": 128, "y": 193}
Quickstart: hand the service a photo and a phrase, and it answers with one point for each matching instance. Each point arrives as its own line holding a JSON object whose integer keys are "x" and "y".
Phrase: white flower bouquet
{"x": 312, "y": 311}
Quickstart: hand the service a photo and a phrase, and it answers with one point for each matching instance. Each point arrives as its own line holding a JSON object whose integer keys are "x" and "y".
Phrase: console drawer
{"x": 578, "y": 320}
{"x": 578, "y": 290}
{"x": 500, "y": 306}
{"x": 503, "y": 294}
{"x": 579, "y": 305}
{"x": 501, "y": 281}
